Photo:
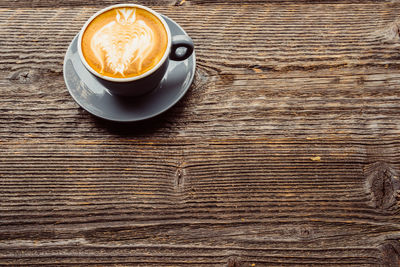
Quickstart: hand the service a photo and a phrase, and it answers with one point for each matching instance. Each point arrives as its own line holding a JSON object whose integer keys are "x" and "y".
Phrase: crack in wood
{"x": 383, "y": 184}
{"x": 180, "y": 177}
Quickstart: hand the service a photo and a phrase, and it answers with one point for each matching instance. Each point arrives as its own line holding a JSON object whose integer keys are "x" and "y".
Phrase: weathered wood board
{"x": 284, "y": 152}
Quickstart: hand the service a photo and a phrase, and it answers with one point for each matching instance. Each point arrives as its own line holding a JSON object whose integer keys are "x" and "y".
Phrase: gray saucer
{"x": 96, "y": 99}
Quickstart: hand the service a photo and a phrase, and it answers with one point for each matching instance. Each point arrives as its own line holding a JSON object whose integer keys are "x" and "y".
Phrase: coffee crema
{"x": 124, "y": 42}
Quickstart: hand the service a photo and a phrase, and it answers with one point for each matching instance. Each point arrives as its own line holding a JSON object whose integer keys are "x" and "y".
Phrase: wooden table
{"x": 285, "y": 150}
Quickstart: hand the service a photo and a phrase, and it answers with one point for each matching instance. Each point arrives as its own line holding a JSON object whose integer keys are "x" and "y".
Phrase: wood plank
{"x": 343, "y": 104}
{"x": 151, "y": 203}
{"x": 329, "y": 65}
{"x": 332, "y": 35}
{"x": 102, "y": 3}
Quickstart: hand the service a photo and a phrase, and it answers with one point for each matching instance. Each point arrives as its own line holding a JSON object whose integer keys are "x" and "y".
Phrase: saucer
{"x": 95, "y": 98}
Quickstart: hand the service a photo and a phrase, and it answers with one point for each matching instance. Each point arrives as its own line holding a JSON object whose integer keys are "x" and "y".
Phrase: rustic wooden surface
{"x": 284, "y": 152}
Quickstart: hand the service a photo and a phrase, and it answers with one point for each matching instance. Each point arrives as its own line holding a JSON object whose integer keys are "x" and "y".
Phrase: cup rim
{"x": 129, "y": 79}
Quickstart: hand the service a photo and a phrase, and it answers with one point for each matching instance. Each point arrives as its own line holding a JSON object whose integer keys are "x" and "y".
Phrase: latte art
{"x": 124, "y": 42}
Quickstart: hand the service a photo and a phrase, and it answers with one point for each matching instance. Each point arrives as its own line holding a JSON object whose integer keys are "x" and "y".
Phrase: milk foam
{"x": 123, "y": 42}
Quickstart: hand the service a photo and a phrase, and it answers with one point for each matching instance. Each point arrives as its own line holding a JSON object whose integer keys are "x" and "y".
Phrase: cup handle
{"x": 181, "y": 41}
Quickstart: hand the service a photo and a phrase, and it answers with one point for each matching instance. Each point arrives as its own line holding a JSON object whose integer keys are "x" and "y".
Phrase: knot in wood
{"x": 395, "y": 31}
{"x": 234, "y": 262}
{"x": 24, "y": 76}
{"x": 201, "y": 78}
{"x": 305, "y": 233}
{"x": 390, "y": 250}
{"x": 390, "y": 33}
{"x": 383, "y": 184}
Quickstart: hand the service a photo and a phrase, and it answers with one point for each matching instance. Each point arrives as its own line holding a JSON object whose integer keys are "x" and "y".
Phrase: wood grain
{"x": 284, "y": 152}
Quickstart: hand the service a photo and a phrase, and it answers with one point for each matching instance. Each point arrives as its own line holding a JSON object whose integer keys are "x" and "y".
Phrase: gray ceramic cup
{"x": 144, "y": 83}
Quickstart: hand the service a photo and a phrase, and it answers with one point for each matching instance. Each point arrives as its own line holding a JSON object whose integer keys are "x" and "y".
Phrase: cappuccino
{"x": 124, "y": 42}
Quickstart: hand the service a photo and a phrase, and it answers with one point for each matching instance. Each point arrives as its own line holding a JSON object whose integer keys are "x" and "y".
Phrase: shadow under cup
{"x": 136, "y": 86}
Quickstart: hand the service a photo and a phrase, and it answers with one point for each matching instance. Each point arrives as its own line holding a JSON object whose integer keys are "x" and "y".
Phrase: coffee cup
{"x": 128, "y": 47}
